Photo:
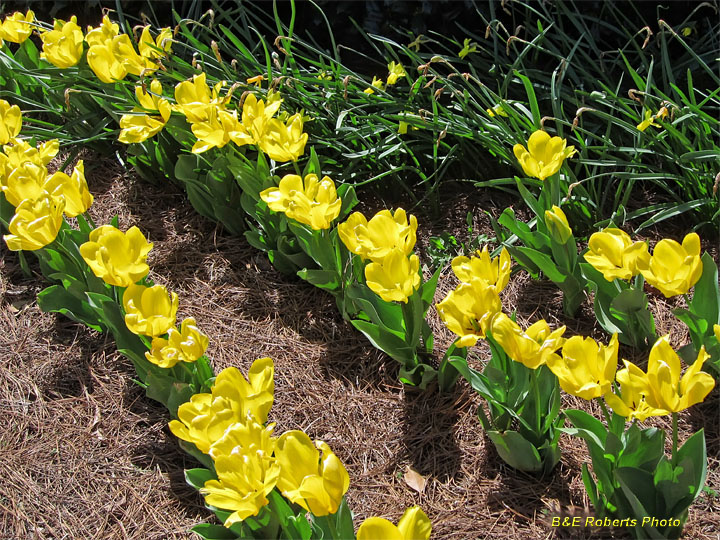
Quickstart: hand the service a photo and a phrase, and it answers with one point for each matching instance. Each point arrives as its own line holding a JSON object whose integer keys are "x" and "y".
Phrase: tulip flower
{"x": 413, "y": 525}
{"x": 716, "y": 331}
{"x": 284, "y": 142}
{"x": 218, "y": 130}
{"x": 63, "y": 46}
{"x": 532, "y": 347}
{"x": 376, "y": 83}
{"x": 20, "y": 152}
{"x": 139, "y": 127}
{"x": 494, "y": 272}
{"x": 103, "y": 33}
{"x": 205, "y": 418}
{"x": 648, "y": 121}
{"x": 544, "y": 155}
{"x": 673, "y": 268}
{"x": 246, "y": 474}
{"x": 317, "y": 484}
{"x": 633, "y": 387}
{"x": 187, "y": 345}
{"x": 27, "y": 181}
{"x": 134, "y": 63}
{"x": 107, "y": 65}
{"x": 394, "y": 278}
{"x": 586, "y": 368}
{"x": 73, "y": 189}
{"x": 667, "y": 389}
{"x": 116, "y": 257}
{"x": 157, "y": 48}
{"x": 10, "y": 121}
{"x": 312, "y": 202}
{"x": 557, "y": 224}
{"x": 468, "y": 311}
{"x": 395, "y": 71}
{"x": 35, "y": 224}
{"x": 613, "y": 254}
{"x": 149, "y": 311}
{"x": 17, "y": 27}
{"x": 376, "y": 238}
{"x": 497, "y": 110}
{"x": 256, "y": 115}
{"x": 195, "y": 100}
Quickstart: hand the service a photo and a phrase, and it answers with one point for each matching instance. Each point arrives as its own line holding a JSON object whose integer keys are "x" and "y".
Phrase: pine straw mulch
{"x": 84, "y": 454}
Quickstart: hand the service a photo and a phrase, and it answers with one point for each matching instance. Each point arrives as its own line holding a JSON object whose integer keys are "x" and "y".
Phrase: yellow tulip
{"x": 247, "y": 435}
{"x": 494, "y": 272}
{"x": 246, "y": 474}
{"x": 413, "y": 525}
{"x": 149, "y": 311}
{"x": 35, "y": 224}
{"x": 20, "y": 152}
{"x": 497, "y": 110}
{"x": 312, "y": 202}
{"x": 27, "y": 181}
{"x": 63, "y": 46}
{"x": 284, "y": 142}
{"x": 73, "y": 189}
{"x": 138, "y": 127}
{"x": 376, "y": 83}
{"x": 395, "y": 71}
{"x": 116, "y": 257}
{"x": 105, "y": 63}
{"x": 667, "y": 389}
{"x": 634, "y": 387}
{"x": 716, "y": 331}
{"x": 613, "y": 254}
{"x": 134, "y": 63}
{"x": 233, "y": 399}
{"x": 468, "y": 311}
{"x": 673, "y": 268}
{"x": 10, "y": 121}
{"x": 219, "y": 129}
{"x": 376, "y": 238}
{"x": 17, "y": 27}
{"x": 153, "y": 49}
{"x": 103, "y": 33}
{"x": 586, "y": 368}
{"x": 394, "y": 278}
{"x": 544, "y": 155}
{"x": 557, "y": 224}
{"x": 195, "y": 100}
{"x": 532, "y": 347}
{"x": 648, "y": 121}
{"x": 256, "y": 115}
{"x": 187, "y": 345}
{"x": 317, "y": 484}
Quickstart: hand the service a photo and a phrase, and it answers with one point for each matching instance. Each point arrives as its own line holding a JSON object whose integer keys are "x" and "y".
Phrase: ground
{"x": 84, "y": 454}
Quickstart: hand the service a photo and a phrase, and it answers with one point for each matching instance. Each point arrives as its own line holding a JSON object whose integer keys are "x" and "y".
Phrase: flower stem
{"x": 674, "y": 438}
{"x": 536, "y": 395}
{"x": 606, "y": 414}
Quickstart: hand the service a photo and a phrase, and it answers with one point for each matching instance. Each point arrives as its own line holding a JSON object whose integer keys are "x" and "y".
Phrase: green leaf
{"x": 545, "y": 263}
{"x": 693, "y": 457}
{"x": 197, "y": 477}
{"x": 705, "y": 302}
{"x": 58, "y": 300}
{"x": 388, "y": 342}
{"x": 209, "y": 531}
{"x": 325, "y": 279}
{"x": 516, "y": 451}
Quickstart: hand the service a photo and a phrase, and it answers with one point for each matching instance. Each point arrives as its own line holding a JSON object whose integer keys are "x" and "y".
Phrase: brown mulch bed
{"x": 84, "y": 454}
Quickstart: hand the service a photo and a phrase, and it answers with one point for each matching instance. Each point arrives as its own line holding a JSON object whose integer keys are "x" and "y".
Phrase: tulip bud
{"x": 557, "y": 224}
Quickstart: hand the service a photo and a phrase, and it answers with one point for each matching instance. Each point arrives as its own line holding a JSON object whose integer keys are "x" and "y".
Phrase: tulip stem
{"x": 674, "y": 438}
{"x": 605, "y": 411}
{"x": 536, "y": 395}
{"x": 297, "y": 168}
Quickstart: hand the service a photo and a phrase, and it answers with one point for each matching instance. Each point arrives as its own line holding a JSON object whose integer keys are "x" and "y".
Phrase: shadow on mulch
{"x": 429, "y": 420}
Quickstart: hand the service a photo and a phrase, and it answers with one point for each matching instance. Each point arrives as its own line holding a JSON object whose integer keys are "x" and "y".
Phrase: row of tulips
{"x": 370, "y": 267}
{"x": 259, "y": 485}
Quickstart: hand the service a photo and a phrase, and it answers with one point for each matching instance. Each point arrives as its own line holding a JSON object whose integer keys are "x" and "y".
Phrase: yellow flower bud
{"x": 557, "y": 224}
